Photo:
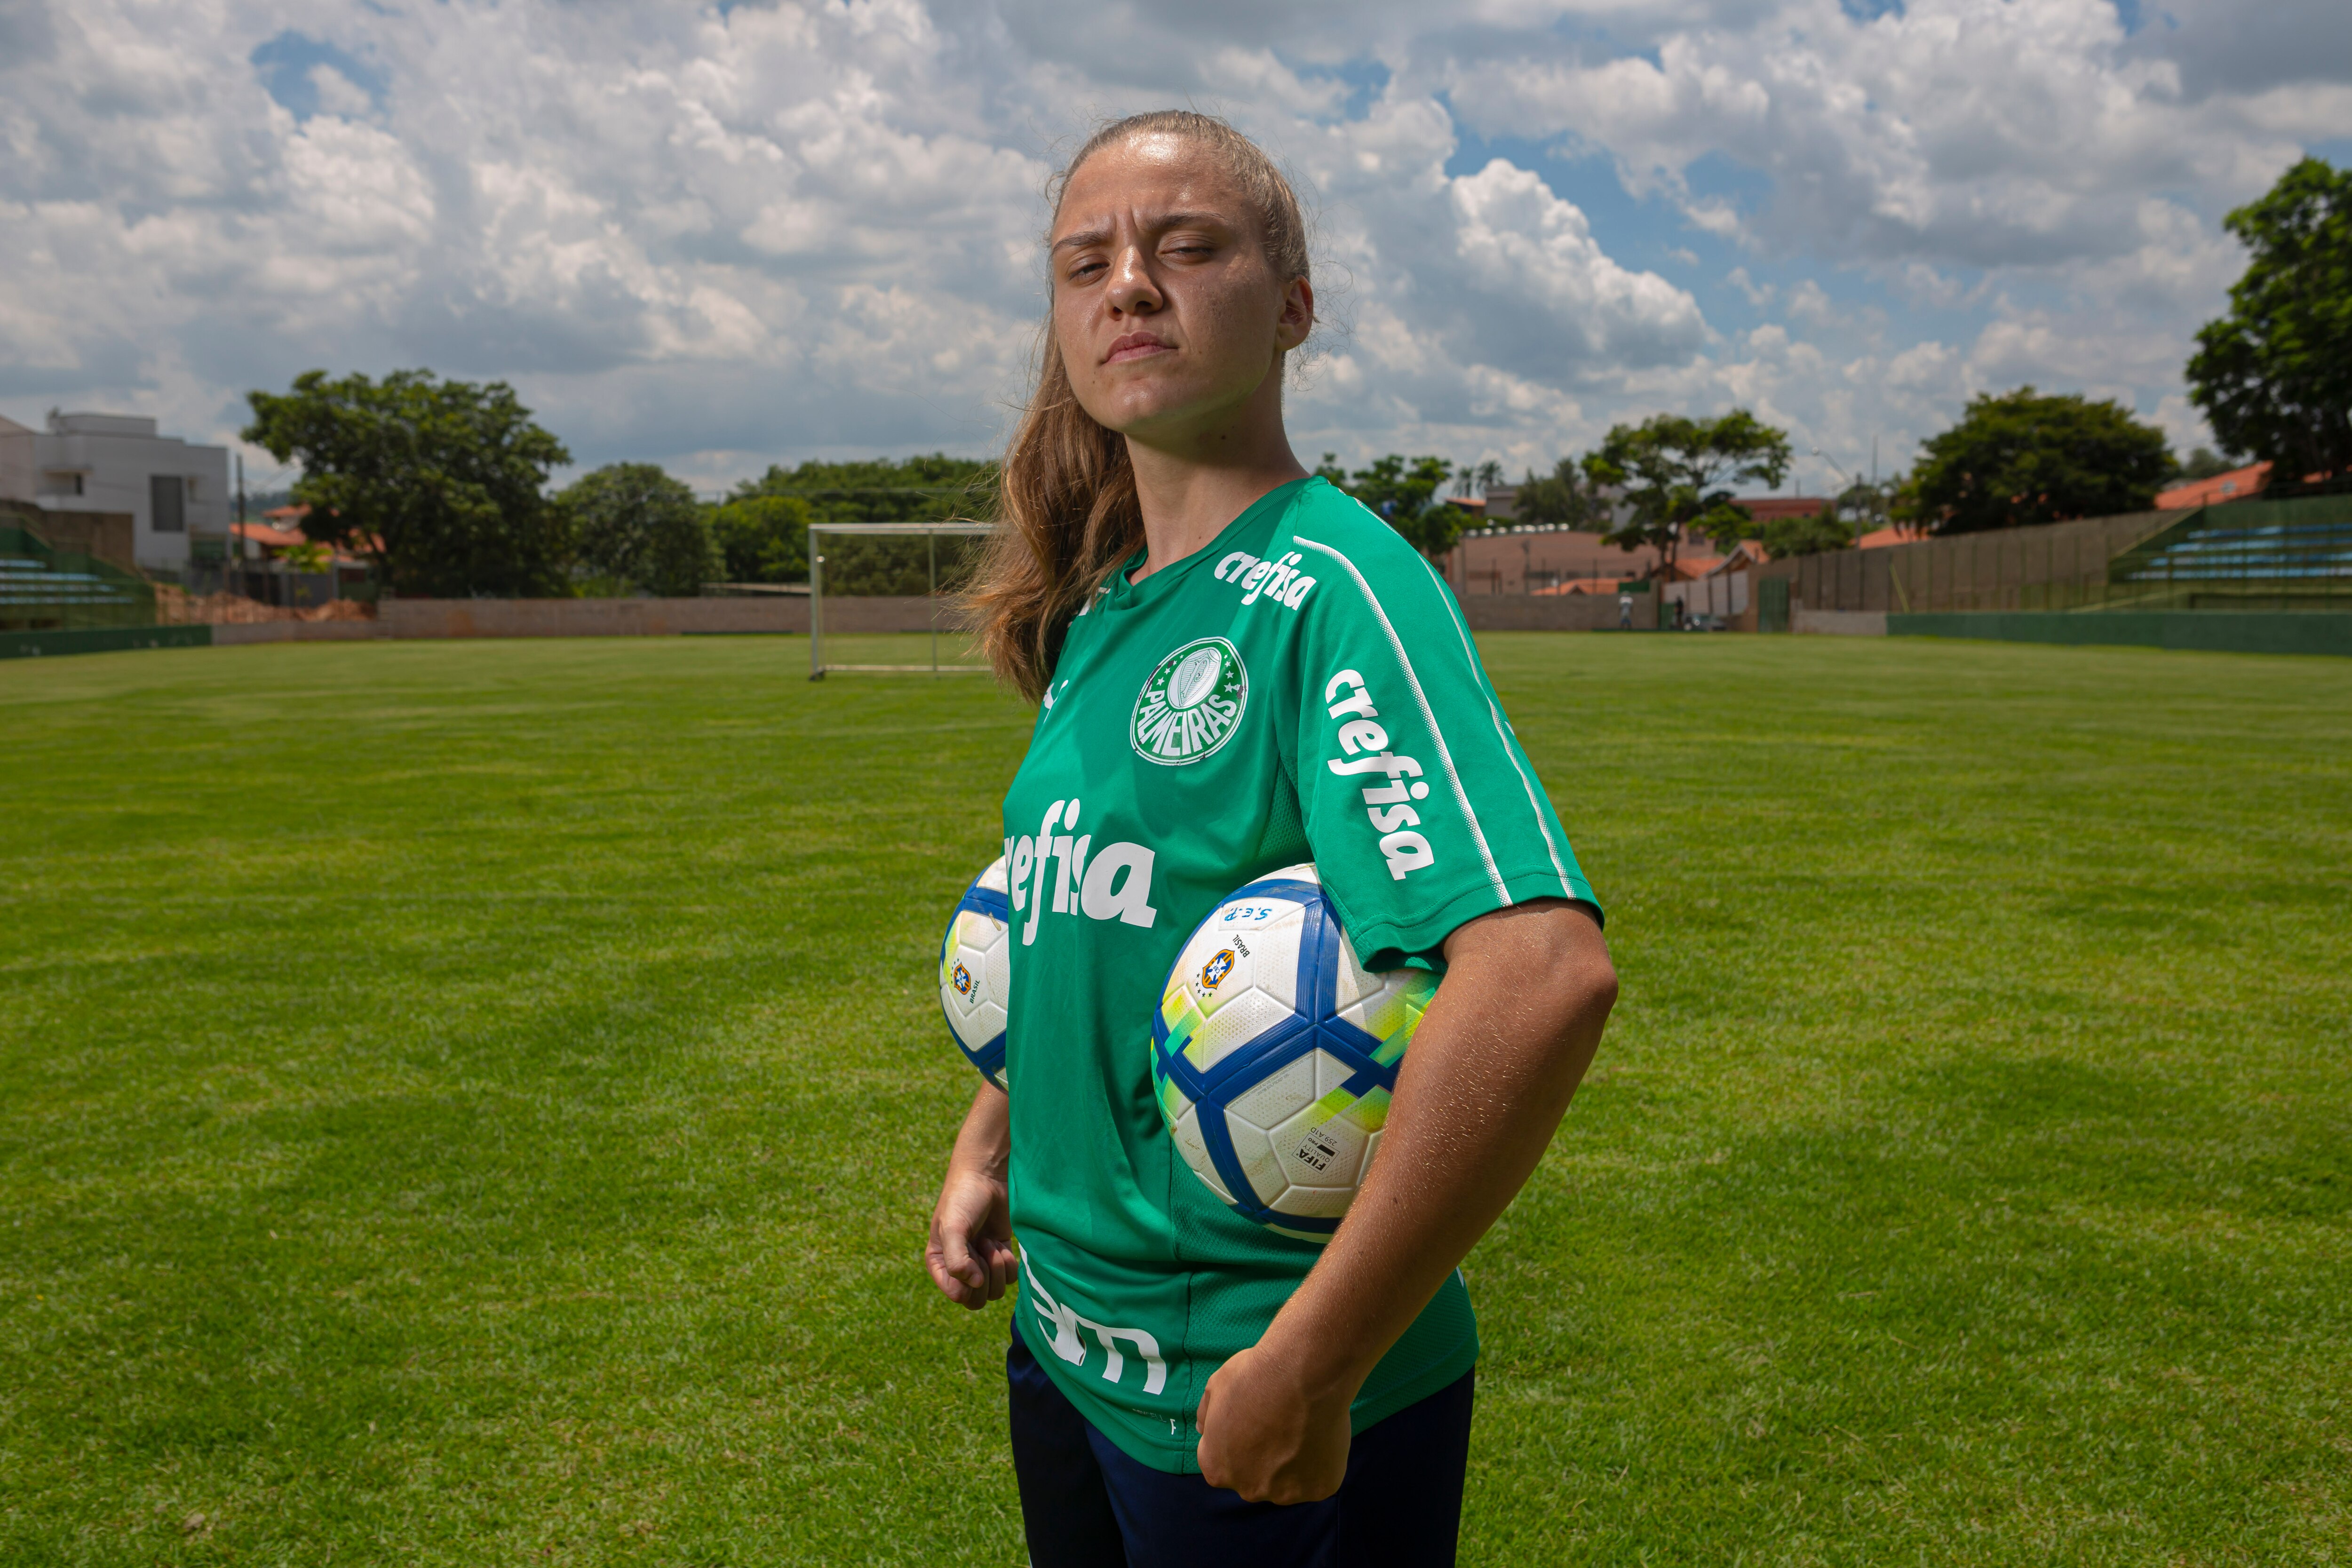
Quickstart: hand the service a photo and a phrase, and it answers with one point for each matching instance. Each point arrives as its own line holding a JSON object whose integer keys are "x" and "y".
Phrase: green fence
{"x": 45, "y": 590}
{"x": 2212, "y": 631}
{"x": 101, "y": 639}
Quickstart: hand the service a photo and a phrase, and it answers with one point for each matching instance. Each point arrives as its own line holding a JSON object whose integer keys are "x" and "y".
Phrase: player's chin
{"x": 1146, "y": 404}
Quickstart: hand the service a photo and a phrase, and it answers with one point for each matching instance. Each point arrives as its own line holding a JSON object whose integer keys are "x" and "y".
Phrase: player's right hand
{"x": 970, "y": 1253}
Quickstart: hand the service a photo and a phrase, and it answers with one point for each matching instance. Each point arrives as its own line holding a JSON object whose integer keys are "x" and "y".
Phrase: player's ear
{"x": 1297, "y": 317}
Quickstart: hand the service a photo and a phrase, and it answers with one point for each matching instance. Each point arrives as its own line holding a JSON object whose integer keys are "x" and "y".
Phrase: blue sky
{"x": 721, "y": 237}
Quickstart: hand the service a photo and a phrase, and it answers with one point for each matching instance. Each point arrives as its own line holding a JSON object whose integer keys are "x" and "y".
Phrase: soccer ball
{"x": 976, "y": 972}
{"x": 1275, "y": 1051}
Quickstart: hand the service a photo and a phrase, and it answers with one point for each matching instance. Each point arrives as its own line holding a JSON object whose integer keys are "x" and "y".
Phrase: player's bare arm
{"x": 970, "y": 1252}
{"x": 1527, "y": 991}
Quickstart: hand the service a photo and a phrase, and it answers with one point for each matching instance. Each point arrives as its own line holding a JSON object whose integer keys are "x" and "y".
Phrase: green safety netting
{"x": 43, "y": 588}
{"x": 2251, "y": 554}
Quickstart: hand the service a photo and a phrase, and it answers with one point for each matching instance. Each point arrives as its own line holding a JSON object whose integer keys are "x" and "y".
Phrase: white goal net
{"x": 942, "y": 607}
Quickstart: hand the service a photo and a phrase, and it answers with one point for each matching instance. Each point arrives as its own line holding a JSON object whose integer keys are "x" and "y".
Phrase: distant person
{"x": 1188, "y": 1387}
{"x": 1624, "y": 612}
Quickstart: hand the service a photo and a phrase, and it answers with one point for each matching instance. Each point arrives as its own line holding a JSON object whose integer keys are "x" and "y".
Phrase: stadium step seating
{"x": 2298, "y": 552}
{"x": 42, "y": 587}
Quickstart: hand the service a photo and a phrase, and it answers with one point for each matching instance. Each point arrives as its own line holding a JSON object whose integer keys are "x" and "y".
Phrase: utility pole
{"x": 235, "y": 539}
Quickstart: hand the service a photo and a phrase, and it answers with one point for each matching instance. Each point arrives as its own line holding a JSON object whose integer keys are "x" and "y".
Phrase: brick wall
{"x": 653, "y": 617}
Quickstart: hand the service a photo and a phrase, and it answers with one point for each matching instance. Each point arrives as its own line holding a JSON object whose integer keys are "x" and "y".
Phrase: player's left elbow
{"x": 1583, "y": 976}
{"x": 1581, "y": 1001}
{"x": 1583, "y": 989}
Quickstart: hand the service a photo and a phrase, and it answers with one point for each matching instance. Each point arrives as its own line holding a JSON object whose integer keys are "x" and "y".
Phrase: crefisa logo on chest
{"x": 1192, "y": 704}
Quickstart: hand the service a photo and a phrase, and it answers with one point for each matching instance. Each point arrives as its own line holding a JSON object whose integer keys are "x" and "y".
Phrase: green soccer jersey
{"x": 1303, "y": 690}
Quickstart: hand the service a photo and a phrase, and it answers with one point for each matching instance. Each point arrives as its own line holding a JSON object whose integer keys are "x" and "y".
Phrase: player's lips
{"x": 1137, "y": 345}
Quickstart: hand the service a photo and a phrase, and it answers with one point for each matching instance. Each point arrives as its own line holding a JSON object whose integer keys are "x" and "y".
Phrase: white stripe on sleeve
{"x": 1501, "y": 730}
{"x": 1444, "y": 755}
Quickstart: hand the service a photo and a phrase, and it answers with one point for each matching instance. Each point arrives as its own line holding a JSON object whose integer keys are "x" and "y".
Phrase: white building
{"x": 117, "y": 463}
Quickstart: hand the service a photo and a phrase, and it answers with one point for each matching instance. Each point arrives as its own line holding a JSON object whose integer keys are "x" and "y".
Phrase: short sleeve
{"x": 1422, "y": 809}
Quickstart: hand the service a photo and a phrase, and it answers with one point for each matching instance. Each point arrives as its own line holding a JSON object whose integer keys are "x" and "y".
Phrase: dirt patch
{"x": 178, "y": 607}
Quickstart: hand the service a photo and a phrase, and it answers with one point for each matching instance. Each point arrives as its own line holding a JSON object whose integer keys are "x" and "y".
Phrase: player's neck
{"x": 1189, "y": 488}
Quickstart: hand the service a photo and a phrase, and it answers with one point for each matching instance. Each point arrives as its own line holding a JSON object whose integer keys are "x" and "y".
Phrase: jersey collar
{"x": 1127, "y": 595}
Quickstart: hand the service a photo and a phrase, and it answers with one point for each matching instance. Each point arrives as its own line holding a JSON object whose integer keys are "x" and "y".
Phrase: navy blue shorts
{"x": 1086, "y": 1504}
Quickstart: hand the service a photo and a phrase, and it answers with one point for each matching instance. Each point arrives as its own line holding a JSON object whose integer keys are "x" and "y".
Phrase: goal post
{"x": 927, "y": 532}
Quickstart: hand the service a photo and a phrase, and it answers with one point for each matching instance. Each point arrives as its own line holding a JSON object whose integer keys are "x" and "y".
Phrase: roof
{"x": 270, "y": 538}
{"x": 1900, "y": 533}
{"x": 2235, "y": 484}
{"x": 102, "y": 424}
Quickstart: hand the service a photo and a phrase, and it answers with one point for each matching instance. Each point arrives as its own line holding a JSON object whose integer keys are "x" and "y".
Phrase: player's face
{"x": 1166, "y": 312}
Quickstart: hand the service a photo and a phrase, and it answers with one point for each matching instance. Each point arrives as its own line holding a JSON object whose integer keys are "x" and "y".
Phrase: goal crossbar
{"x": 928, "y": 531}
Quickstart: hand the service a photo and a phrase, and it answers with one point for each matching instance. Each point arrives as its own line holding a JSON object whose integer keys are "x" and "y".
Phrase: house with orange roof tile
{"x": 2238, "y": 484}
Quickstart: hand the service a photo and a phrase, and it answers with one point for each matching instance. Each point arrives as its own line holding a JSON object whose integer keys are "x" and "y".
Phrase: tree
{"x": 2204, "y": 463}
{"x": 2021, "y": 458}
{"x": 440, "y": 482}
{"x": 1562, "y": 499}
{"x": 763, "y": 538}
{"x": 2274, "y": 375}
{"x": 883, "y": 490}
{"x": 1405, "y": 491}
{"x": 637, "y": 527}
{"x": 1478, "y": 478}
{"x": 1678, "y": 474}
{"x": 932, "y": 489}
{"x": 1824, "y": 530}
{"x": 311, "y": 557}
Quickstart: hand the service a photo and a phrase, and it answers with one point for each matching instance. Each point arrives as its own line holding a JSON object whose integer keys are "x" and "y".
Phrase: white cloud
{"x": 721, "y": 236}
{"x": 338, "y": 94}
{"x": 1808, "y": 302}
{"x": 1522, "y": 242}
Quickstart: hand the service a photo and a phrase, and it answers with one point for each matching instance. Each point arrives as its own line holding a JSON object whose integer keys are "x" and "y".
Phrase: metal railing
{"x": 44, "y": 589}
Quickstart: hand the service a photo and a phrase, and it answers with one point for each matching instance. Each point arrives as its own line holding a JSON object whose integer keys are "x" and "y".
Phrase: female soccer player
{"x": 1188, "y": 1388}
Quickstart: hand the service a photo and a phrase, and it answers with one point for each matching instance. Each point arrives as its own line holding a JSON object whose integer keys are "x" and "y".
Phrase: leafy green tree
{"x": 2274, "y": 375}
{"x": 638, "y": 527}
{"x": 2021, "y": 458}
{"x": 1678, "y": 475}
{"x": 1472, "y": 479}
{"x": 1824, "y": 530}
{"x": 1868, "y": 504}
{"x": 931, "y": 489}
{"x": 2205, "y": 463}
{"x": 1562, "y": 498}
{"x": 764, "y": 538}
{"x": 441, "y": 483}
{"x": 312, "y": 557}
{"x": 1406, "y": 492}
{"x": 883, "y": 490}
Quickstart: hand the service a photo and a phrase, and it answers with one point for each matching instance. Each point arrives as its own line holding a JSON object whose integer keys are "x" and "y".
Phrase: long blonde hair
{"x": 1066, "y": 513}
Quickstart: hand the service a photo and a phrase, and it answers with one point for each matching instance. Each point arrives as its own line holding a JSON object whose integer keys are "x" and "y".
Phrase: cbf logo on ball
{"x": 1192, "y": 705}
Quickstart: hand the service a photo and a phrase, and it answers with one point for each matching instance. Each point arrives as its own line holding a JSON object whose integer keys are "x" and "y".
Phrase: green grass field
{"x": 479, "y": 1103}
